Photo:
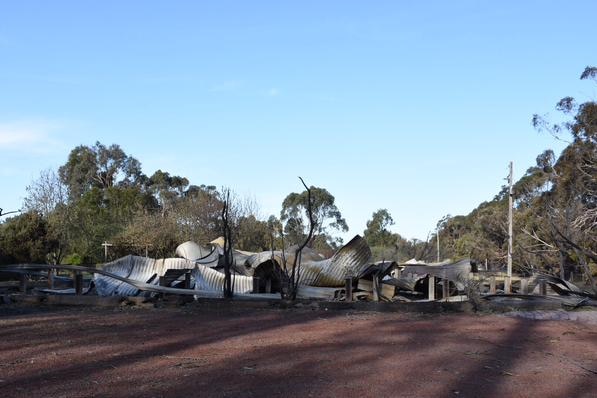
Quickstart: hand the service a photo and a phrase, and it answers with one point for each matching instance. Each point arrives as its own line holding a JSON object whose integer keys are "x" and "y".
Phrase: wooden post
{"x": 78, "y": 283}
{"x": 348, "y": 288}
{"x": 445, "y": 289}
{"x": 268, "y": 285}
{"x": 431, "y": 290}
{"x": 106, "y": 245}
{"x": 23, "y": 283}
{"x": 375, "y": 287}
{"x": 256, "y": 284}
{"x": 51, "y": 278}
{"x": 492, "y": 288}
{"x": 543, "y": 288}
{"x": 507, "y": 285}
{"x": 187, "y": 280}
{"x": 524, "y": 286}
{"x": 161, "y": 282}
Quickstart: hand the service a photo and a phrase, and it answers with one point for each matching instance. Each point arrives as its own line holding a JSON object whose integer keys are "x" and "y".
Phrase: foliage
{"x": 25, "y": 238}
{"x": 326, "y": 217}
{"x": 99, "y": 167}
{"x": 555, "y": 219}
{"x": 197, "y": 214}
{"x": 46, "y": 193}
{"x": 290, "y": 274}
{"x": 377, "y": 233}
{"x": 101, "y": 194}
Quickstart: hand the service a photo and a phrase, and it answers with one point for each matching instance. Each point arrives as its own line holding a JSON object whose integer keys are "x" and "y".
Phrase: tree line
{"x": 555, "y": 208}
{"x": 101, "y": 194}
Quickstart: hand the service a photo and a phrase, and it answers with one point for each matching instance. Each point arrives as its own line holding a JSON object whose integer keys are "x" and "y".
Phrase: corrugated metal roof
{"x": 350, "y": 260}
{"x": 211, "y": 280}
{"x": 192, "y": 251}
{"x": 142, "y": 269}
{"x": 149, "y": 270}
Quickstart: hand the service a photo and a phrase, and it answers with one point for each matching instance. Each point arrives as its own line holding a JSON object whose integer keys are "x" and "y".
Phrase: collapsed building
{"x": 348, "y": 275}
{"x": 198, "y": 270}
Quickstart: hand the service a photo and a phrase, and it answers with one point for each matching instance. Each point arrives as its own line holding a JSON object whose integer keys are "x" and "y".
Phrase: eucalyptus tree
{"x": 377, "y": 232}
{"x": 325, "y": 215}
{"x": 99, "y": 166}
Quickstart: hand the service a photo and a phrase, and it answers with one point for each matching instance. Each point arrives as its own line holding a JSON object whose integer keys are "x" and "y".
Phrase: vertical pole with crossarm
{"x": 508, "y": 283}
{"x": 105, "y": 245}
{"x": 437, "y": 238}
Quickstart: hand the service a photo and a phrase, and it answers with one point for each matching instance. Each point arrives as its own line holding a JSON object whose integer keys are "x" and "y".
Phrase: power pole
{"x": 508, "y": 283}
{"x": 437, "y": 238}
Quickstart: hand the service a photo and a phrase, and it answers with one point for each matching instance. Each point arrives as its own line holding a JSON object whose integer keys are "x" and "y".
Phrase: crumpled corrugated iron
{"x": 411, "y": 273}
{"x": 353, "y": 259}
{"x": 149, "y": 270}
{"x": 199, "y": 254}
{"x": 349, "y": 261}
{"x": 207, "y": 279}
{"x": 142, "y": 269}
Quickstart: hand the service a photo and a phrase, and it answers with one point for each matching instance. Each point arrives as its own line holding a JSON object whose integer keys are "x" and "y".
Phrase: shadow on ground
{"x": 256, "y": 353}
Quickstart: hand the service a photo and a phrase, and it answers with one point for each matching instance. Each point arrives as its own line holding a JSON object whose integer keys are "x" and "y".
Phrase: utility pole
{"x": 437, "y": 238}
{"x": 508, "y": 282}
{"x": 105, "y": 245}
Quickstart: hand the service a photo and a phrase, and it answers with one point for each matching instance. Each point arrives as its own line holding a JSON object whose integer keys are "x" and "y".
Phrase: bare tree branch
{"x": 8, "y": 212}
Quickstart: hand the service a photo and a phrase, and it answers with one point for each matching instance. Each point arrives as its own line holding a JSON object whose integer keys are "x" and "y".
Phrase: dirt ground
{"x": 198, "y": 352}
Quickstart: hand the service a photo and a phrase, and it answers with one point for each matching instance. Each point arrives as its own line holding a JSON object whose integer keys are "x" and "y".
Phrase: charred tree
{"x": 291, "y": 274}
{"x": 228, "y": 254}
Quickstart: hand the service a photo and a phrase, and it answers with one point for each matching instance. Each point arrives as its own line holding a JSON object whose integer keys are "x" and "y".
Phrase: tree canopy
{"x": 377, "y": 233}
{"x": 326, "y": 215}
{"x": 101, "y": 193}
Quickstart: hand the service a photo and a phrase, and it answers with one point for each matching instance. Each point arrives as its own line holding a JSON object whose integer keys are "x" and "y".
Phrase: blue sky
{"x": 416, "y": 107}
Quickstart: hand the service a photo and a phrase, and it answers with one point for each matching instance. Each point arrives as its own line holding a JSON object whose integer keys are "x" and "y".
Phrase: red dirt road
{"x": 194, "y": 352}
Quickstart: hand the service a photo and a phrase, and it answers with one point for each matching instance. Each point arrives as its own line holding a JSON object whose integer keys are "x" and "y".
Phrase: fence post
{"x": 431, "y": 290}
{"x": 78, "y": 283}
{"x": 543, "y": 288}
{"x": 524, "y": 286}
{"x": 348, "y": 288}
{"x": 508, "y": 285}
{"x": 23, "y": 283}
{"x": 51, "y": 278}
{"x": 375, "y": 287}
{"x": 445, "y": 289}
{"x": 492, "y": 288}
